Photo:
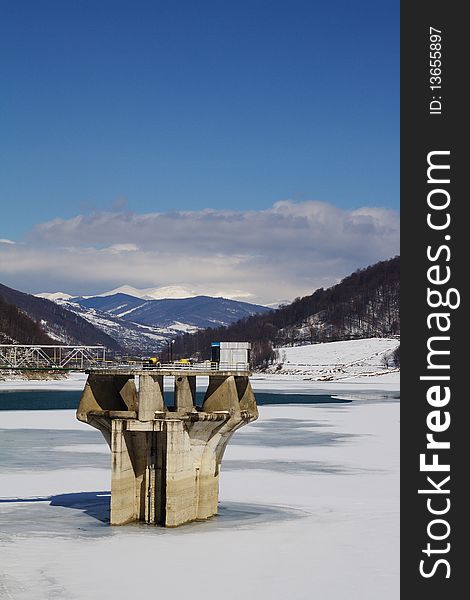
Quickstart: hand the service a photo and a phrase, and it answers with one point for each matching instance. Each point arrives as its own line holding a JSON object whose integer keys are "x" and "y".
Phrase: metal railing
{"x": 175, "y": 366}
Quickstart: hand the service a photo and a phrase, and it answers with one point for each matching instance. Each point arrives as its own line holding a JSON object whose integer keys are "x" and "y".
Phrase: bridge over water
{"x": 48, "y": 357}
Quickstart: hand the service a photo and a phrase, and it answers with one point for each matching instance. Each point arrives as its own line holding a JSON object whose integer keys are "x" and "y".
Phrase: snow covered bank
{"x": 309, "y": 508}
{"x": 335, "y": 366}
{"x": 336, "y": 360}
{"x": 358, "y": 386}
{"x": 73, "y": 381}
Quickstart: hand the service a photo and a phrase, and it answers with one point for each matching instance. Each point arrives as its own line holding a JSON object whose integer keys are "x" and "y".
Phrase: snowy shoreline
{"x": 355, "y": 365}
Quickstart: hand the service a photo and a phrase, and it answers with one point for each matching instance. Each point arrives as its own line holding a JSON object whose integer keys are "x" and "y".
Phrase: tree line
{"x": 16, "y": 326}
{"x": 364, "y": 304}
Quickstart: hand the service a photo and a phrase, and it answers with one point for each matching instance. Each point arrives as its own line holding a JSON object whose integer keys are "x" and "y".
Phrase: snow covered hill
{"x": 141, "y": 321}
{"x": 337, "y": 360}
{"x": 144, "y": 326}
{"x": 133, "y": 337}
{"x": 55, "y": 321}
{"x": 155, "y": 293}
{"x": 54, "y": 296}
{"x": 196, "y": 313}
{"x": 363, "y": 305}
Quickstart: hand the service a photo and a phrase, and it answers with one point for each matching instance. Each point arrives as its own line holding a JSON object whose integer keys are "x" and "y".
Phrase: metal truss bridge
{"x": 57, "y": 358}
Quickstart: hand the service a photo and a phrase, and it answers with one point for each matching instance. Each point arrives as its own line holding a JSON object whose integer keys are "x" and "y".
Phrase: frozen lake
{"x": 309, "y": 508}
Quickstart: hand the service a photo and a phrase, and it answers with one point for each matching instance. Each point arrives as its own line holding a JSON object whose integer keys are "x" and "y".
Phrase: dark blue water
{"x": 53, "y": 400}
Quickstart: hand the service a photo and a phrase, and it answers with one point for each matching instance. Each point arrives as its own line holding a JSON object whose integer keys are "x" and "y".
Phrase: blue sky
{"x": 157, "y": 106}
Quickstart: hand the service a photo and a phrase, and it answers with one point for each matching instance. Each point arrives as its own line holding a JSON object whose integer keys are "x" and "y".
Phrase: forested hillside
{"x": 15, "y": 326}
{"x": 364, "y": 304}
{"x": 59, "y": 324}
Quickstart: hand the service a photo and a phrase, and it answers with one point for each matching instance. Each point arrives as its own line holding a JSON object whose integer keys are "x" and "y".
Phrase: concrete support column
{"x": 246, "y": 397}
{"x": 208, "y": 488}
{"x": 150, "y": 396}
{"x": 204, "y": 458}
{"x": 181, "y": 500}
{"x": 221, "y": 394}
{"x": 185, "y": 392}
{"x": 107, "y": 392}
{"x": 153, "y": 497}
{"x": 123, "y": 490}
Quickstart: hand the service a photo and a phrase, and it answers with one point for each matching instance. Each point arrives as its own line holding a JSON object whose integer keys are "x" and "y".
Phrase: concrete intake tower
{"x": 166, "y": 460}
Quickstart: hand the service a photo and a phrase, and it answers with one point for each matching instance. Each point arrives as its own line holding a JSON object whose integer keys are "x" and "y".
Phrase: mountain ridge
{"x": 58, "y": 323}
{"x": 199, "y": 311}
{"x": 364, "y": 304}
{"x": 122, "y": 322}
{"x": 168, "y": 292}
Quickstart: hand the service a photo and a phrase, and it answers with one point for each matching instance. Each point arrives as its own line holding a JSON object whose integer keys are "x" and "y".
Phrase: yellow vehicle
{"x": 152, "y": 363}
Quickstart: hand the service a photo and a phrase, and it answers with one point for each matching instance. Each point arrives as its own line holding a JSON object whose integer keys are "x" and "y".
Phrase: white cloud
{"x": 119, "y": 248}
{"x": 5, "y": 241}
{"x": 285, "y": 251}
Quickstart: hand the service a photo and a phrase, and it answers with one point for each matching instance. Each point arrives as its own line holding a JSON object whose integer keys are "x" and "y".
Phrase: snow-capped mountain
{"x": 54, "y": 321}
{"x": 134, "y": 337}
{"x": 140, "y": 325}
{"x": 198, "y": 312}
{"x": 54, "y": 296}
{"x": 155, "y": 293}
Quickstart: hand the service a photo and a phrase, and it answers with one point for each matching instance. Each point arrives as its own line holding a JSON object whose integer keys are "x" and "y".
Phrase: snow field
{"x": 336, "y": 360}
{"x": 308, "y": 508}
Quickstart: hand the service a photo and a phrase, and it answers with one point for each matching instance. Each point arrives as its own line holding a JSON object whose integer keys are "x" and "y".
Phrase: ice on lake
{"x": 309, "y": 508}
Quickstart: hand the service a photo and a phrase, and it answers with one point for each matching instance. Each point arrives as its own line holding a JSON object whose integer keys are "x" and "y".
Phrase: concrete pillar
{"x": 150, "y": 396}
{"x": 153, "y": 494}
{"x": 208, "y": 486}
{"x": 123, "y": 481}
{"x": 246, "y": 397}
{"x": 221, "y": 394}
{"x": 104, "y": 393}
{"x": 181, "y": 500}
{"x": 185, "y": 392}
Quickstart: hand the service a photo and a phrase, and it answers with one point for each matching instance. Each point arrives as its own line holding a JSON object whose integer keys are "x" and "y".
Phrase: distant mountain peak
{"x": 152, "y": 293}
{"x": 178, "y": 291}
{"x": 54, "y": 296}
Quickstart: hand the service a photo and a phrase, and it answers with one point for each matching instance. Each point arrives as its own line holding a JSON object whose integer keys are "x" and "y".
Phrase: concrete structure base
{"x": 165, "y": 461}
